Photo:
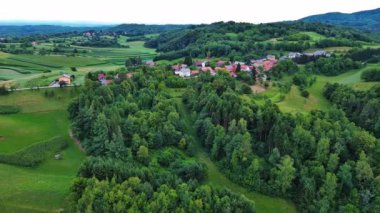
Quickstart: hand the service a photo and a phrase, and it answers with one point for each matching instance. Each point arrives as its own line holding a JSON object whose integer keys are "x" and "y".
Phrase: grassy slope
{"x": 218, "y": 179}
{"x": 294, "y": 102}
{"x": 44, "y": 188}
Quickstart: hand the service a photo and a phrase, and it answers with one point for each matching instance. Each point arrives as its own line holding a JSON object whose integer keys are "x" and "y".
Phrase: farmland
{"x": 45, "y": 187}
{"x": 25, "y": 70}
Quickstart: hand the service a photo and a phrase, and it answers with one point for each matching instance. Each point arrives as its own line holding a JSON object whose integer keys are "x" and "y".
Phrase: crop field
{"x": 45, "y": 187}
{"x": 38, "y": 70}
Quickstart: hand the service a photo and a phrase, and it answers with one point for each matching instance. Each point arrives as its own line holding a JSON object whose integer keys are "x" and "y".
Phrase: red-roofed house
{"x": 220, "y": 63}
{"x": 101, "y": 76}
{"x": 194, "y": 72}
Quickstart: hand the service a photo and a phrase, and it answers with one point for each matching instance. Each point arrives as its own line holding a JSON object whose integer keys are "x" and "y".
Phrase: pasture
{"x": 294, "y": 102}
{"x": 45, "y": 187}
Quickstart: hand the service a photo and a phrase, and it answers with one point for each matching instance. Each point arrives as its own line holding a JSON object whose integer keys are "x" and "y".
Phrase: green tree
{"x": 284, "y": 174}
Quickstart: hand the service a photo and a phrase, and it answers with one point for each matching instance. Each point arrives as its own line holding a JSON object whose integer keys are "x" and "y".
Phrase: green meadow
{"x": 43, "y": 188}
{"x": 294, "y": 102}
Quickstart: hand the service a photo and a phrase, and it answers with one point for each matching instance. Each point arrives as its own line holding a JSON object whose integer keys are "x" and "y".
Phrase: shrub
{"x": 34, "y": 154}
{"x": 371, "y": 75}
{"x": 9, "y": 109}
{"x": 3, "y": 90}
{"x": 74, "y": 69}
{"x": 305, "y": 93}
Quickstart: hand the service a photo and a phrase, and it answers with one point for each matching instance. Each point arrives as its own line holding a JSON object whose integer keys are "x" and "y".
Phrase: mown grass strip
{"x": 34, "y": 154}
{"x": 9, "y": 109}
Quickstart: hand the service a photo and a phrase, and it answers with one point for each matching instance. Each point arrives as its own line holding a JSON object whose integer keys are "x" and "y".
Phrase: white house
{"x": 183, "y": 72}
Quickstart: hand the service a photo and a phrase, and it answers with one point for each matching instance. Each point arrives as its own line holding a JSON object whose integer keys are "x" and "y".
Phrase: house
{"x": 194, "y": 72}
{"x": 65, "y": 79}
{"x": 183, "y": 72}
{"x": 319, "y": 53}
{"x": 101, "y": 76}
{"x": 293, "y": 55}
{"x": 271, "y": 57}
{"x": 150, "y": 63}
{"x": 34, "y": 43}
{"x": 220, "y": 63}
{"x": 245, "y": 68}
{"x": 178, "y": 67}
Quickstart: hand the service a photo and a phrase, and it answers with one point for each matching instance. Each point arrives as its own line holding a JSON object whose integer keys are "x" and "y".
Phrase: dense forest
{"x": 248, "y": 40}
{"x": 322, "y": 161}
{"x": 143, "y": 29}
{"x": 140, "y": 153}
{"x": 364, "y": 20}
{"x": 362, "y": 107}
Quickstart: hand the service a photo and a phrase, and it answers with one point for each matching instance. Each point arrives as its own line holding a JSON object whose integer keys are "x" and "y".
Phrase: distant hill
{"x": 246, "y": 40}
{"x": 364, "y": 20}
{"x": 26, "y": 30}
{"x": 142, "y": 29}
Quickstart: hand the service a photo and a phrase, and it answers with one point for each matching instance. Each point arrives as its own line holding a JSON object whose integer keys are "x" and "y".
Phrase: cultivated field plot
{"x": 45, "y": 187}
{"x": 38, "y": 70}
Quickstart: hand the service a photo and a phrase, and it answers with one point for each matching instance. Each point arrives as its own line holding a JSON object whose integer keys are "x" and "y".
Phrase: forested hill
{"x": 249, "y": 41}
{"x": 364, "y": 20}
{"x": 141, "y": 29}
{"x": 27, "y": 30}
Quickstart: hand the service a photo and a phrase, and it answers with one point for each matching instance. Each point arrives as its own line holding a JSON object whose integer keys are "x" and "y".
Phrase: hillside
{"x": 26, "y": 30}
{"x": 142, "y": 29}
{"x": 364, "y": 20}
{"x": 245, "y": 40}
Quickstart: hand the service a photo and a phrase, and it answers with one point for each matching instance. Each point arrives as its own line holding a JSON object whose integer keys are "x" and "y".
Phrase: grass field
{"x": 38, "y": 70}
{"x": 43, "y": 188}
{"x": 218, "y": 179}
{"x": 294, "y": 102}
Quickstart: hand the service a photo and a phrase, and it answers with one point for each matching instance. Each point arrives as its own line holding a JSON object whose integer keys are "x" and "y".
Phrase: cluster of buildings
{"x": 256, "y": 66}
{"x": 296, "y": 55}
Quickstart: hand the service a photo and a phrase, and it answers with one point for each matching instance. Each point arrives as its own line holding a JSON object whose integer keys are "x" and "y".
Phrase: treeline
{"x": 323, "y": 43}
{"x": 244, "y": 39}
{"x": 100, "y": 41}
{"x": 320, "y": 160}
{"x": 362, "y": 107}
{"x": 126, "y": 128}
{"x": 371, "y": 74}
{"x": 371, "y": 55}
{"x": 331, "y": 66}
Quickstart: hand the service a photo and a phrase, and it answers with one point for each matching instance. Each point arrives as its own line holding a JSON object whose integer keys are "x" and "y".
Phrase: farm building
{"x": 66, "y": 79}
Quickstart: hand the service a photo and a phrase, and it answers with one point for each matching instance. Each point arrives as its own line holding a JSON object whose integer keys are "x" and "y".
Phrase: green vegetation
{"x": 281, "y": 154}
{"x": 45, "y": 186}
{"x": 246, "y": 41}
{"x": 35, "y": 153}
{"x": 9, "y": 109}
{"x": 127, "y": 128}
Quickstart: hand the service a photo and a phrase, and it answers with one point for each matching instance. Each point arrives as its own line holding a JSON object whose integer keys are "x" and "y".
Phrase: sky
{"x": 174, "y": 11}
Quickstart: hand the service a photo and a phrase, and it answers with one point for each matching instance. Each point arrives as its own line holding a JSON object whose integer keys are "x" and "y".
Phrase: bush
{"x": 74, "y": 69}
{"x": 34, "y": 154}
{"x": 9, "y": 109}
{"x": 305, "y": 93}
{"x": 371, "y": 75}
{"x": 3, "y": 90}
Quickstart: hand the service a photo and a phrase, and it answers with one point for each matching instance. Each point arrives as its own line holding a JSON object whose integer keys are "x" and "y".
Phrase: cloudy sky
{"x": 174, "y": 11}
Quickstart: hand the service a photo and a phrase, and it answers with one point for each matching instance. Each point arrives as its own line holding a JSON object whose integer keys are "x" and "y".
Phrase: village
{"x": 257, "y": 67}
